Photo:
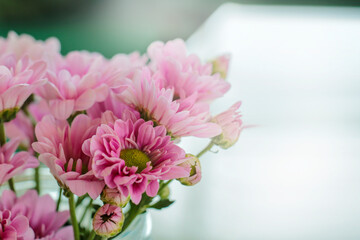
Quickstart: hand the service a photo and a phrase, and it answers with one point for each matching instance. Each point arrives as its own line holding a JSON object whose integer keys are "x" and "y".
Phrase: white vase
{"x": 139, "y": 229}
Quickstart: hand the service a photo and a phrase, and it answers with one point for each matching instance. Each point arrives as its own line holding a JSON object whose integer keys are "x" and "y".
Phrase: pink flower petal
{"x": 61, "y": 109}
{"x": 85, "y": 101}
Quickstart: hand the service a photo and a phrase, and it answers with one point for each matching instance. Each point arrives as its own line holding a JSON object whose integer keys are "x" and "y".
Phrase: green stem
{"x": 207, "y": 148}
{"x": 85, "y": 211}
{"x": 2, "y": 133}
{"x": 12, "y": 185}
{"x": 59, "y": 199}
{"x": 2, "y": 142}
{"x": 80, "y": 199}
{"x": 92, "y": 235}
{"x": 73, "y": 217}
{"x": 134, "y": 211}
{"x": 37, "y": 180}
{"x": 30, "y": 116}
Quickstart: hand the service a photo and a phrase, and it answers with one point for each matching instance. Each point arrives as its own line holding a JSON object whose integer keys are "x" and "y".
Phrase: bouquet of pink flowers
{"x": 105, "y": 128}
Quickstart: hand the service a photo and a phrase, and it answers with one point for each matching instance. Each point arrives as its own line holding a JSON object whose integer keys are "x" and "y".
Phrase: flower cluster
{"x": 107, "y": 129}
{"x": 32, "y": 217}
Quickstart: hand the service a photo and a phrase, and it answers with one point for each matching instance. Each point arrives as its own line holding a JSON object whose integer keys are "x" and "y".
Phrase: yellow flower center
{"x": 134, "y": 157}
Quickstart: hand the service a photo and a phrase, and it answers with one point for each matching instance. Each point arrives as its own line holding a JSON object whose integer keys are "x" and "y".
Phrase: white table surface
{"x": 297, "y": 174}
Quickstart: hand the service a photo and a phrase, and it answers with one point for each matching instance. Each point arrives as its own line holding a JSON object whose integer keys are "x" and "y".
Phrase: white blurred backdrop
{"x": 297, "y": 174}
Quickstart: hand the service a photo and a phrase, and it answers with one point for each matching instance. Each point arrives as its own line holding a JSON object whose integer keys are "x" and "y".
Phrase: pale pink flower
{"x": 115, "y": 105}
{"x": 133, "y": 156}
{"x": 19, "y": 46}
{"x": 221, "y": 65}
{"x": 13, "y": 164}
{"x": 184, "y": 73}
{"x": 108, "y": 220}
{"x": 23, "y": 63}
{"x": 20, "y": 127}
{"x": 18, "y": 80}
{"x": 13, "y": 227}
{"x": 156, "y": 104}
{"x": 59, "y": 146}
{"x": 114, "y": 197}
{"x": 45, "y": 223}
{"x": 195, "y": 174}
{"x": 38, "y": 109}
{"x": 127, "y": 65}
{"x": 231, "y": 124}
{"x": 79, "y": 80}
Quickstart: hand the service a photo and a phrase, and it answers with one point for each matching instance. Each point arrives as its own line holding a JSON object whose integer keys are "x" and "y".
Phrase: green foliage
{"x": 162, "y": 204}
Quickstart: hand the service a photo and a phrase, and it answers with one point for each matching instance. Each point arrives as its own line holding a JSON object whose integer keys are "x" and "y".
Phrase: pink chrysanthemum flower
{"x": 133, "y": 156}
{"x": 79, "y": 80}
{"x": 14, "y": 227}
{"x": 45, "y": 223}
{"x": 115, "y": 105}
{"x": 108, "y": 220}
{"x": 59, "y": 146}
{"x": 13, "y": 164}
{"x": 156, "y": 104}
{"x": 231, "y": 124}
{"x": 184, "y": 73}
{"x": 23, "y": 63}
{"x": 128, "y": 64}
{"x": 18, "y": 79}
{"x": 19, "y": 46}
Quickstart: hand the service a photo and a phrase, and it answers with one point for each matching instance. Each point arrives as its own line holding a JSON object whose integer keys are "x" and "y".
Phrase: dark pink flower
{"x": 59, "y": 146}
{"x": 40, "y": 212}
{"x": 14, "y": 227}
{"x": 133, "y": 155}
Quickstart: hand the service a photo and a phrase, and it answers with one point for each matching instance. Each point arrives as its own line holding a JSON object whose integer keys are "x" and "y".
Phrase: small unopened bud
{"x": 231, "y": 126}
{"x": 108, "y": 220}
{"x": 221, "y": 65}
{"x": 114, "y": 197}
{"x": 195, "y": 172}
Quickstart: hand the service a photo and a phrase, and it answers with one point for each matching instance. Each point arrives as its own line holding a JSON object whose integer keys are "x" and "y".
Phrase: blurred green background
{"x": 113, "y": 26}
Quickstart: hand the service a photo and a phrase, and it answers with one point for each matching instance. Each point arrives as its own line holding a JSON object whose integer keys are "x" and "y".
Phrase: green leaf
{"x": 162, "y": 204}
